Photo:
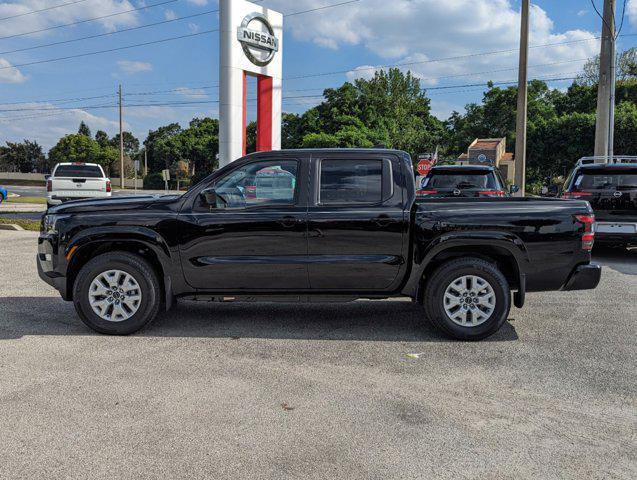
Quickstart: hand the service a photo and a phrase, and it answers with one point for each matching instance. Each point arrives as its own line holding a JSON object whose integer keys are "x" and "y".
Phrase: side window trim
{"x": 387, "y": 174}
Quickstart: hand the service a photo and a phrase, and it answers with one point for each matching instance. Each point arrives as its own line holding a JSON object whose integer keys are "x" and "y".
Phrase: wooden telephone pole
{"x": 121, "y": 140}
{"x": 605, "y": 124}
{"x": 520, "y": 124}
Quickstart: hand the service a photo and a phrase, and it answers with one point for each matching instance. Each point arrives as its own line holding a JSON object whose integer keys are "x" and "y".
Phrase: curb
{"x": 11, "y": 226}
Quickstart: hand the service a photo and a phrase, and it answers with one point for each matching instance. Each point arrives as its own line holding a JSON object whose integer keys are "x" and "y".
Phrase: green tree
{"x": 131, "y": 143}
{"x": 159, "y": 155}
{"x": 84, "y": 130}
{"x": 75, "y": 148}
{"x": 25, "y": 157}
{"x": 101, "y": 137}
{"x": 626, "y": 68}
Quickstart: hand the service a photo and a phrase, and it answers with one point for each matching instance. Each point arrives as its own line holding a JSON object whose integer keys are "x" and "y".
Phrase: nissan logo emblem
{"x": 617, "y": 194}
{"x": 259, "y": 46}
{"x": 456, "y": 192}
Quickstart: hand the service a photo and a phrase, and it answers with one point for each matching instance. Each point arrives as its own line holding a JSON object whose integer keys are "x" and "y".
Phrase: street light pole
{"x": 520, "y": 124}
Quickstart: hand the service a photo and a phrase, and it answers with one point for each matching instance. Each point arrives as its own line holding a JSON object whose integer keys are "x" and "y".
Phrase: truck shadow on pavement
{"x": 383, "y": 321}
{"x": 623, "y": 260}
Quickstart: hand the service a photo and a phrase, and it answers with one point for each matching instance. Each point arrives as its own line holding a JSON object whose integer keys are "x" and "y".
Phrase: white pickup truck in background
{"x": 74, "y": 181}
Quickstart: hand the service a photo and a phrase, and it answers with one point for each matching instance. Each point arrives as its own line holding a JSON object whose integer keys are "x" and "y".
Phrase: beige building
{"x": 490, "y": 151}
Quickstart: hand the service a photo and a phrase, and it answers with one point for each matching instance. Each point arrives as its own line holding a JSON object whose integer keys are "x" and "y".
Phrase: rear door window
{"x": 78, "y": 171}
{"x": 351, "y": 181}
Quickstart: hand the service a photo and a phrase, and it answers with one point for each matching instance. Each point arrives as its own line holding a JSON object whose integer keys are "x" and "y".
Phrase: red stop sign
{"x": 424, "y": 166}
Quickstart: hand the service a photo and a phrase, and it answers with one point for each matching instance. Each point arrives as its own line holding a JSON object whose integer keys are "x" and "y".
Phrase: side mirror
{"x": 514, "y": 189}
{"x": 212, "y": 199}
{"x": 46, "y": 177}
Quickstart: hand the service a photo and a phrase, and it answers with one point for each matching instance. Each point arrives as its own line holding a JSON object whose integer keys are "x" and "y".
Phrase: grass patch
{"x": 32, "y": 225}
{"x": 34, "y": 200}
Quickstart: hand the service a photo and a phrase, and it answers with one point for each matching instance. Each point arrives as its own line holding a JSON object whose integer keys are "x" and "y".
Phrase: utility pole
{"x": 520, "y": 124}
{"x": 605, "y": 124}
{"x": 121, "y": 140}
{"x": 145, "y": 162}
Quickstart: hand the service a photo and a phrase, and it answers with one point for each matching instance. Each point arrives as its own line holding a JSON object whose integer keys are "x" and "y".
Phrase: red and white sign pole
{"x": 251, "y": 43}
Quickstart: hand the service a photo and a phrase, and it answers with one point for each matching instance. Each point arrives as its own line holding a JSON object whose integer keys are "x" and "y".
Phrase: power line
{"x": 42, "y": 9}
{"x": 153, "y": 42}
{"x": 88, "y": 20}
{"x": 321, "y": 8}
{"x": 105, "y": 34}
{"x": 116, "y": 49}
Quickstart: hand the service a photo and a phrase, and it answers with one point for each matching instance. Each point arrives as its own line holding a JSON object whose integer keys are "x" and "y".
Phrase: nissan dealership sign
{"x": 251, "y": 45}
{"x": 258, "y": 45}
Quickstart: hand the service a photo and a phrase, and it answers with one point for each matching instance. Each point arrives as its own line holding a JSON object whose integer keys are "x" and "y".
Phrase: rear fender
{"x": 424, "y": 255}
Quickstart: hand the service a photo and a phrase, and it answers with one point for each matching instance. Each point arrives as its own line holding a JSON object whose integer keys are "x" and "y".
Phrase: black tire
{"x": 442, "y": 278}
{"x": 144, "y": 275}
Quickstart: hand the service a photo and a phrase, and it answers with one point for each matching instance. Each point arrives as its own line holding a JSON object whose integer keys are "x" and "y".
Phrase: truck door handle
{"x": 288, "y": 222}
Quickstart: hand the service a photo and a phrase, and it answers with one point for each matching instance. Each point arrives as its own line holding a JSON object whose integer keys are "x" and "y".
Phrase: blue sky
{"x": 360, "y": 35}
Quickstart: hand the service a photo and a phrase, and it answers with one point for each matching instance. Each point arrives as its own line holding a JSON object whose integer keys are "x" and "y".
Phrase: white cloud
{"x": 197, "y": 93}
{"x": 170, "y": 14}
{"x": 66, "y": 14}
{"x": 9, "y": 74}
{"x": 48, "y": 127}
{"x": 193, "y": 27}
{"x": 199, "y": 3}
{"x": 131, "y": 67}
{"x": 419, "y": 31}
{"x": 631, "y": 11}
{"x": 581, "y": 13}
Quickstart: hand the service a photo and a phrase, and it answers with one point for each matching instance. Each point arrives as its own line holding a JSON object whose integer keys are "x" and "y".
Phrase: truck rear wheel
{"x": 117, "y": 293}
{"x": 467, "y": 298}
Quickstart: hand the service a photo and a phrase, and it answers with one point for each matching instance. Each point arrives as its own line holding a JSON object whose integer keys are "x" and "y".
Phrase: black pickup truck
{"x": 315, "y": 225}
{"x": 611, "y": 189}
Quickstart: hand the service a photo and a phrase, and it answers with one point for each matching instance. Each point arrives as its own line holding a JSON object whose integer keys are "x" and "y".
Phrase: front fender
{"x": 146, "y": 236}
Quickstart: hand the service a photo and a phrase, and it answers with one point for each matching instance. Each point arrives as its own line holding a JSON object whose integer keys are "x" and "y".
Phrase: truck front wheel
{"x": 117, "y": 293}
{"x": 467, "y": 298}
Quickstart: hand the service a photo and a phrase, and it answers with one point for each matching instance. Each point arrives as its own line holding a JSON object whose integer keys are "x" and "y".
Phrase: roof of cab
{"x": 463, "y": 167}
{"x": 324, "y": 151}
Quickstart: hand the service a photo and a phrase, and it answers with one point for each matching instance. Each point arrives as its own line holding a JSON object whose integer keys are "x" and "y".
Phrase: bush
{"x": 153, "y": 181}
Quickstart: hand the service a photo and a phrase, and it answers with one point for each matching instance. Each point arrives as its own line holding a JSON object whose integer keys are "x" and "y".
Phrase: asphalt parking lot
{"x": 323, "y": 391}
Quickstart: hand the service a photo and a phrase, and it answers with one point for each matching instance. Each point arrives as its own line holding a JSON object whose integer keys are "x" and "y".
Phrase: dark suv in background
{"x": 464, "y": 181}
{"x": 611, "y": 189}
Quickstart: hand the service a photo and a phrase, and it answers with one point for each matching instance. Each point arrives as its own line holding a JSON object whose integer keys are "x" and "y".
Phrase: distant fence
{"x": 6, "y": 177}
{"x": 37, "y": 177}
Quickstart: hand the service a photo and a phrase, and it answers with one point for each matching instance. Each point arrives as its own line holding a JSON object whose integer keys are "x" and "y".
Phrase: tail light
{"x": 491, "y": 193}
{"x": 588, "y": 237}
{"x": 108, "y": 186}
{"x": 49, "y": 185}
{"x": 575, "y": 195}
{"x": 422, "y": 193}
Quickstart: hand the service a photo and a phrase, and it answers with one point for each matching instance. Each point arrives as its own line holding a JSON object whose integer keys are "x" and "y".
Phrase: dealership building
{"x": 490, "y": 151}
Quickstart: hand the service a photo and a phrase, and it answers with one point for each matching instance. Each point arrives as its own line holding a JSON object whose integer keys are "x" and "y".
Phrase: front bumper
{"x": 584, "y": 277}
{"x": 47, "y": 263}
{"x": 59, "y": 283}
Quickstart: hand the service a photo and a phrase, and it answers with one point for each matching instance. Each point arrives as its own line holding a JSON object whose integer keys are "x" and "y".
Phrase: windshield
{"x": 605, "y": 180}
{"x": 78, "y": 171}
{"x": 461, "y": 180}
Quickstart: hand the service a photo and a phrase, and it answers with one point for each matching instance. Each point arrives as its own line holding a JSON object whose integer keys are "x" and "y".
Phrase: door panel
{"x": 353, "y": 246}
{"x": 260, "y": 246}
